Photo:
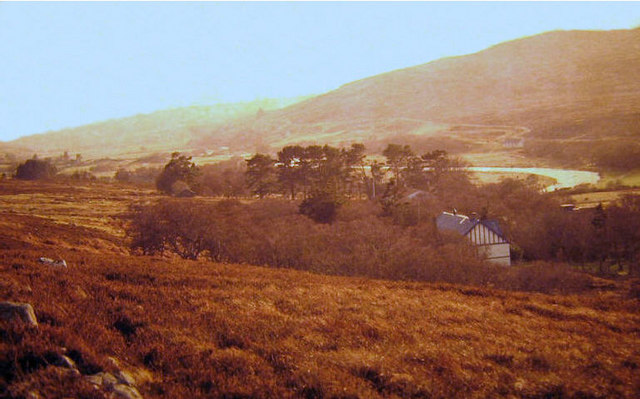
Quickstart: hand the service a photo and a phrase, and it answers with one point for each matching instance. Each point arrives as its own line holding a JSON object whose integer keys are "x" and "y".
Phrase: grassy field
{"x": 191, "y": 329}
{"x": 496, "y": 177}
{"x": 631, "y": 178}
{"x": 602, "y": 197}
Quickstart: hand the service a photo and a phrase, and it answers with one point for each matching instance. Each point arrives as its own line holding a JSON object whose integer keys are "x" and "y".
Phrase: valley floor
{"x": 189, "y": 329}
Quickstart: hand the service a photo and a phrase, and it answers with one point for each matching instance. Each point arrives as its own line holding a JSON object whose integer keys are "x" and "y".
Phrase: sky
{"x": 72, "y": 63}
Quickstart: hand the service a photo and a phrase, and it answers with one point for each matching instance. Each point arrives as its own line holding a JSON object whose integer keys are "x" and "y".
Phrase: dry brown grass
{"x": 189, "y": 329}
{"x": 601, "y": 197}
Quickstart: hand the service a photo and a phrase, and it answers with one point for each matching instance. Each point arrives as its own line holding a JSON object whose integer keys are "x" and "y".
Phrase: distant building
{"x": 186, "y": 193}
{"x": 485, "y": 234}
{"x": 418, "y": 195}
{"x": 513, "y": 143}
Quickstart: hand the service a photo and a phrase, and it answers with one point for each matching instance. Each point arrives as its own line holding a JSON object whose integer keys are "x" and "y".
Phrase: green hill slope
{"x": 165, "y": 130}
{"x": 555, "y": 85}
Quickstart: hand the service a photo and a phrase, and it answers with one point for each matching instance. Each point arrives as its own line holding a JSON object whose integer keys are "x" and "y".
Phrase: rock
{"x": 125, "y": 378}
{"x": 113, "y": 362}
{"x": 120, "y": 386}
{"x": 75, "y": 372}
{"x": 79, "y": 293}
{"x": 49, "y": 261}
{"x": 94, "y": 379}
{"x": 126, "y": 392}
{"x": 106, "y": 380}
{"x": 65, "y": 361}
{"x": 109, "y": 380}
{"x": 11, "y": 311}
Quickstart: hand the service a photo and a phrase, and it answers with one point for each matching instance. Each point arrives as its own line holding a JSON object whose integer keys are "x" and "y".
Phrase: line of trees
{"x": 312, "y": 171}
{"x": 308, "y": 170}
{"x": 326, "y": 176}
{"x": 323, "y": 179}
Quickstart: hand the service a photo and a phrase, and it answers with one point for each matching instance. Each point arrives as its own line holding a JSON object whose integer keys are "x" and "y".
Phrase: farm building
{"x": 485, "y": 234}
{"x": 513, "y": 143}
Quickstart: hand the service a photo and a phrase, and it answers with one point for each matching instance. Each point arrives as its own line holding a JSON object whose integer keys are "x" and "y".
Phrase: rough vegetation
{"x": 325, "y": 275}
{"x": 184, "y": 328}
{"x": 386, "y": 236}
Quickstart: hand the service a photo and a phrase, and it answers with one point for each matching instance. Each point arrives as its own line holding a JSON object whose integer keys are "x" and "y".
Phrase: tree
{"x": 398, "y": 157}
{"x": 35, "y": 169}
{"x": 227, "y": 178}
{"x": 288, "y": 168}
{"x": 331, "y": 171}
{"x": 600, "y": 244}
{"x": 377, "y": 175}
{"x": 623, "y": 231}
{"x": 355, "y": 165}
{"x": 391, "y": 199}
{"x": 179, "y": 168}
{"x": 261, "y": 175}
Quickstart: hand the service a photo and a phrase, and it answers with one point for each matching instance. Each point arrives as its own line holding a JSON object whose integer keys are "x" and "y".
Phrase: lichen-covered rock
{"x": 122, "y": 391}
{"x": 23, "y": 312}
{"x": 113, "y": 362}
{"x": 106, "y": 380}
{"x": 119, "y": 384}
{"x": 65, "y": 361}
{"x": 79, "y": 293}
{"x": 94, "y": 379}
{"x": 52, "y": 262}
{"x": 125, "y": 378}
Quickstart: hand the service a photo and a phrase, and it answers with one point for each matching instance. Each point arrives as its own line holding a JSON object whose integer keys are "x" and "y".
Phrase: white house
{"x": 513, "y": 143}
{"x": 485, "y": 234}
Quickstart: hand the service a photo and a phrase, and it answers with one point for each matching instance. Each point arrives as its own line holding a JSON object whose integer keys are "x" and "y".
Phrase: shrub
{"x": 320, "y": 207}
{"x": 122, "y": 175}
{"x": 272, "y": 233}
{"x": 35, "y": 169}
{"x": 175, "y": 225}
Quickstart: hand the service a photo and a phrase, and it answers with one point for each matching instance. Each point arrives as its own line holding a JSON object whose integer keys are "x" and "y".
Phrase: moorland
{"x": 271, "y": 249}
{"x": 198, "y": 328}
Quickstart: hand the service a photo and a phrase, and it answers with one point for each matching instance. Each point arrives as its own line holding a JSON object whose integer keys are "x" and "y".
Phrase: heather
{"x": 202, "y": 328}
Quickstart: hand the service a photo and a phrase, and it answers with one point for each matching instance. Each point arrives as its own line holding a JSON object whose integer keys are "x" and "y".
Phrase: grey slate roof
{"x": 463, "y": 224}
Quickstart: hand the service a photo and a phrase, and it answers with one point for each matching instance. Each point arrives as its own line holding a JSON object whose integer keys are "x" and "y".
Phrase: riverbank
{"x": 565, "y": 178}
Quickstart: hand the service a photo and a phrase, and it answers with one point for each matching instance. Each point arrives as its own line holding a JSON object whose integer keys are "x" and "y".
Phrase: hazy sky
{"x": 68, "y": 64}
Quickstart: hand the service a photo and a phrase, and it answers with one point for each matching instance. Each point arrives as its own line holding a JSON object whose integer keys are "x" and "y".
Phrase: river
{"x": 565, "y": 178}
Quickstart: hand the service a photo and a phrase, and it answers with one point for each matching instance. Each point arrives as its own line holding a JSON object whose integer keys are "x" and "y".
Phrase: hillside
{"x": 174, "y": 328}
{"x": 164, "y": 130}
{"x": 564, "y": 84}
{"x": 568, "y": 94}
{"x": 577, "y": 72}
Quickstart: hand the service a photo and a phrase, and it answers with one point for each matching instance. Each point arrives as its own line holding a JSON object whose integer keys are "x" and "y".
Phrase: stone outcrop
{"x": 22, "y": 312}
{"x": 52, "y": 262}
{"x": 120, "y": 384}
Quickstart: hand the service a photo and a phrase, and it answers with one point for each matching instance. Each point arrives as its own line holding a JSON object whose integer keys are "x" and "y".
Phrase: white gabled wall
{"x": 496, "y": 253}
{"x": 481, "y": 235}
{"x": 490, "y": 245}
